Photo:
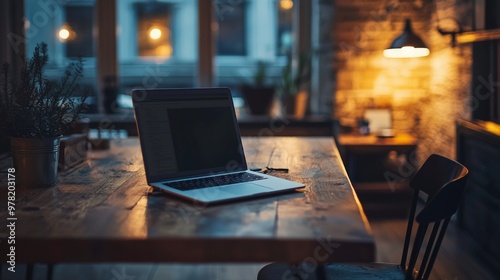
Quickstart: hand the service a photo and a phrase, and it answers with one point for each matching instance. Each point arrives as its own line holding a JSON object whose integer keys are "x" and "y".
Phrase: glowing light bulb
{"x": 286, "y": 4}
{"x": 406, "y": 52}
{"x": 155, "y": 33}
{"x": 63, "y": 33}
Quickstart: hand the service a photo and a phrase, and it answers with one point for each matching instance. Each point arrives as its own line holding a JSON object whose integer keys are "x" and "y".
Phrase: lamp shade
{"x": 407, "y": 45}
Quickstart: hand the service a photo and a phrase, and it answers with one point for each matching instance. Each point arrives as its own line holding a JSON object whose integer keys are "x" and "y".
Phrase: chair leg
{"x": 430, "y": 247}
{"x": 409, "y": 228}
{"x": 435, "y": 252}
{"x": 419, "y": 237}
{"x": 50, "y": 271}
{"x": 320, "y": 273}
{"x": 29, "y": 271}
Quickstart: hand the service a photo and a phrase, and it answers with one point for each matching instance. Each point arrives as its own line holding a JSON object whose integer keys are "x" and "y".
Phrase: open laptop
{"x": 191, "y": 146}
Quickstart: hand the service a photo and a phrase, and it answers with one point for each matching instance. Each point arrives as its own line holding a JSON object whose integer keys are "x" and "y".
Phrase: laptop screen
{"x": 189, "y": 134}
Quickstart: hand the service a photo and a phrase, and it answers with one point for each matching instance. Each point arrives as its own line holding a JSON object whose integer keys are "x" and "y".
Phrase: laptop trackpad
{"x": 245, "y": 188}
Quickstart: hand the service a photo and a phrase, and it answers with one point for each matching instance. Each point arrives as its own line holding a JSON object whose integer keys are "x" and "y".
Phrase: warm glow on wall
{"x": 286, "y": 4}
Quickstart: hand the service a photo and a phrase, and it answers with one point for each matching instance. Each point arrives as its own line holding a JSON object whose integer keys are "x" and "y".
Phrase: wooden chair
{"x": 443, "y": 181}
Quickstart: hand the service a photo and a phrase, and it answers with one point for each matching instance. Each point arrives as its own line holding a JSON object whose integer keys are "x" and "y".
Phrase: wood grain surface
{"x": 104, "y": 211}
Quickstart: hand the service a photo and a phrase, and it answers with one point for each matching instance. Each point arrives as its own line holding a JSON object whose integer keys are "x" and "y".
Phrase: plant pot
{"x": 259, "y": 100}
{"x": 289, "y": 105}
{"x": 35, "y": 161}
{"x": 296, "y": 104}
{"x": 300, "y": 104}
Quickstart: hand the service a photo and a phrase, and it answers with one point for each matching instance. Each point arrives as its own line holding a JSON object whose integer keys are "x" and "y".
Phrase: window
{"x": 230, "y": 16}
{"x": 485, "y": 99}
{"x": 157, "y": 41}
{"x": 69, "y": 32}
{"x": 153, "y": 29}
{"x": 77, "y": 31}
{"x": 285, "y": 16}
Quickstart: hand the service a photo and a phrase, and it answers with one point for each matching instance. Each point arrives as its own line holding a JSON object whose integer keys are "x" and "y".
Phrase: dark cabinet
{"x": 379, "y": 169}
{"x": 478, "y": 148}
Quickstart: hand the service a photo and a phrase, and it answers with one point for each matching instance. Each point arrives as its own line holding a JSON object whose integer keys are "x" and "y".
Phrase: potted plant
{"x": 259, "y": 96}
{"x": 35, "y": 111}
{"x": 293, "y": 79}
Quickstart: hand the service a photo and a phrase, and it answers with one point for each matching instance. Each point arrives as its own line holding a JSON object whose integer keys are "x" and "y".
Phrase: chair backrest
{"x": 443, "y": 180}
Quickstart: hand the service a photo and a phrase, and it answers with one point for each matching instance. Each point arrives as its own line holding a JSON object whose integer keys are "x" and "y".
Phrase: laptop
{"x": 191, "y": 146}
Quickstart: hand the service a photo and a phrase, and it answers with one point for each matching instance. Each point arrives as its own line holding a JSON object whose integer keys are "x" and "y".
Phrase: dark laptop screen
{"x": 203, "y": 138}
{"x": 189, "y": 136}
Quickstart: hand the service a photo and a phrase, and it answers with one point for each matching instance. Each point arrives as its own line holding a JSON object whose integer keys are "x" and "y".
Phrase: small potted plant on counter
{"x": 293, "y": 80}
{"x": 35, "y": 111}
{"x": 259, "y": 96}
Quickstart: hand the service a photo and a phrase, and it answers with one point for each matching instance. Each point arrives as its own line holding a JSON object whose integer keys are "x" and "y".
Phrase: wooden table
{"x": 103, "y": 211}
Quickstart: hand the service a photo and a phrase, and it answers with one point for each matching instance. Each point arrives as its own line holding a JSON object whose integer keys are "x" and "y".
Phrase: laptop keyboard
{"x": 215, "y": 181}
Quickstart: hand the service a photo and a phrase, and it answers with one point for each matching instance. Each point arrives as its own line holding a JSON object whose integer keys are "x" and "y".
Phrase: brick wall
{"x": 426, "y": 95}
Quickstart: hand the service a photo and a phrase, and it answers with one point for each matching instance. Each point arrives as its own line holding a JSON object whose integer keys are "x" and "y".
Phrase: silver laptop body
{"x": 191, "y": 146}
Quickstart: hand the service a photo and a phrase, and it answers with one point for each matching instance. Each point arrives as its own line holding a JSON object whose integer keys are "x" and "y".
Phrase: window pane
{"x": 153, "y": 29}
{"x": 78, "y": 28}
{"x": 230, "y": 16}
{"x": 285, "y": 17}
{"x": 68, "y": 32}
{"x": 246, "y": 41}
{"x": 157, "y": 45}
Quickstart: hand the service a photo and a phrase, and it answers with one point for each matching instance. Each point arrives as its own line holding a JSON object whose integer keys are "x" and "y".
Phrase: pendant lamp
{"x": 407, "y": 45}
